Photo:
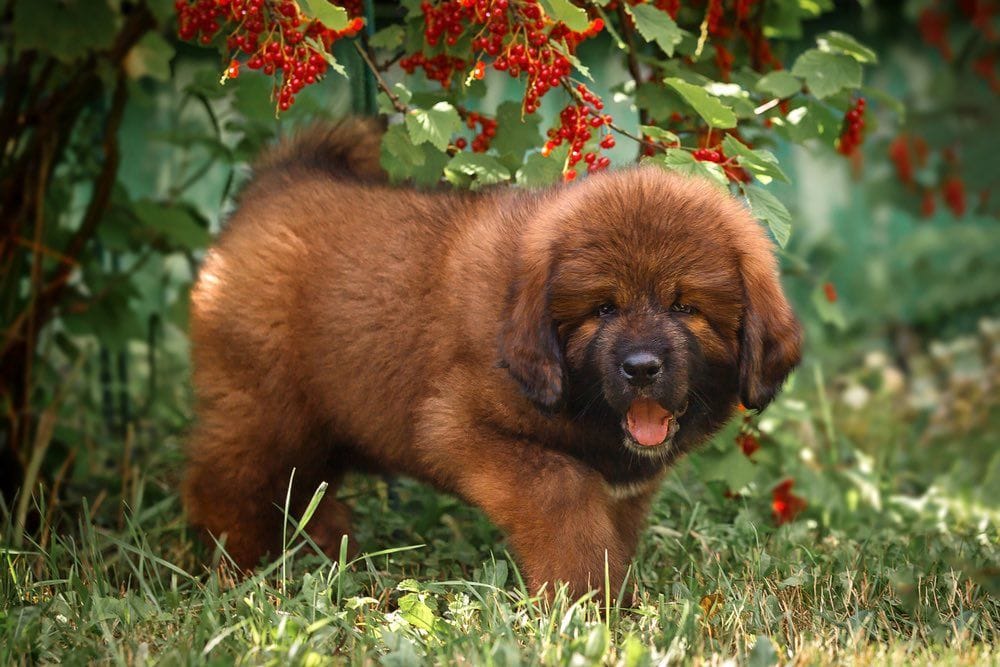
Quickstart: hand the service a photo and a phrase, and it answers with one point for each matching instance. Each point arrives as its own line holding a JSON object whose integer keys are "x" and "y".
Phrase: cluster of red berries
{"x": 904, "y": 150}
{"x": 484, "y": 135}
{"x": 518, "y": 36}
{"x": 276, "y": 36}
{"x": 438, "y": 68}
{"x": 577, "y": 124}
{"x": 713, "y": 16}
{"x": 854, "y": 123}
{"x": 733, "y": 171}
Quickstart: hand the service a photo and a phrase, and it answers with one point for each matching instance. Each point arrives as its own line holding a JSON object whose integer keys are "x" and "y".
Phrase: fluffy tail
{"x": 347, "y": 149}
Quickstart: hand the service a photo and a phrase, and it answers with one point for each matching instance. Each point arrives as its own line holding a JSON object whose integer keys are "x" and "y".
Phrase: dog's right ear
{"x": 529, "y": 344}
{"x": 770, "y": 335}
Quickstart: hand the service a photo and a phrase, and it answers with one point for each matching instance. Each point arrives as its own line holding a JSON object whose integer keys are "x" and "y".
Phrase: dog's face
{"x": 651, "y": 303}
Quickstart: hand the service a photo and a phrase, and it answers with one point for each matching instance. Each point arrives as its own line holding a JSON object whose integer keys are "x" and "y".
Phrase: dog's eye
{"x": 606, "y": 309}
{"x": 679, "y": 307}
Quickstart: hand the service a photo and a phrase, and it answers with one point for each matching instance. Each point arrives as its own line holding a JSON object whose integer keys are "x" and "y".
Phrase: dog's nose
{"x": 641, "y": 368}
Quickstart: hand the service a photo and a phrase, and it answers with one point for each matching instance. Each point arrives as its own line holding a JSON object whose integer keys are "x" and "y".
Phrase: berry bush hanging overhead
{"x": 707, "y": 86}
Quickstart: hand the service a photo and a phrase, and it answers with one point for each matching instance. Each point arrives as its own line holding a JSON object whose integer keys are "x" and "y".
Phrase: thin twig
{"x": 397, "y": 103}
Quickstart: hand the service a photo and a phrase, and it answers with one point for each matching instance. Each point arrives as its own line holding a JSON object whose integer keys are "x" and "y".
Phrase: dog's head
{"x": 650, "y": 300}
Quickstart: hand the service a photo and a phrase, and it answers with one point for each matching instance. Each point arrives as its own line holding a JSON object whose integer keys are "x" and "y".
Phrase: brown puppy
{"x": 545, "y": 355}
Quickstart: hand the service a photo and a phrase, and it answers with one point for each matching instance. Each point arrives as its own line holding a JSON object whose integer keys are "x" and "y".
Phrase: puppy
{"x": 545, "y": 355}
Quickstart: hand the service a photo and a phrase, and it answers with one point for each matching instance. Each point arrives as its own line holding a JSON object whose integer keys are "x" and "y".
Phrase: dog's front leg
{"x": 556, "y": 511}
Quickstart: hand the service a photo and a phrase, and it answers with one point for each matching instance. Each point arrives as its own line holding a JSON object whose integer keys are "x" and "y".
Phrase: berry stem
{"x": 397, "y": 103}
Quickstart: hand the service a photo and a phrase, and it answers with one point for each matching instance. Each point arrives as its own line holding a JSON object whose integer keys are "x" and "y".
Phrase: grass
{"x": 895, "y": 561}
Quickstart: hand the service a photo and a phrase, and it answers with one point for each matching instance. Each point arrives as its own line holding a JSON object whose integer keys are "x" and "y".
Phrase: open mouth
{"x": 648, "y": 424}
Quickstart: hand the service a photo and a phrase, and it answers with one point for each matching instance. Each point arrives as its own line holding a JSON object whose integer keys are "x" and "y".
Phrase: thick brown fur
{"x": 473, "y": 341}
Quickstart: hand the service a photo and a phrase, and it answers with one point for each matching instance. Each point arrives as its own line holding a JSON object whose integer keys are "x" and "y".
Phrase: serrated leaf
{"x": 539, "y": 171}
{"x": 839, "y": 42}
{"x": 657, "y": 26}
{"x": 682, "y": 162}
{"x": 389, "y": 37}
{"x": 659, "y": 134}
{"x": 65, "y": 29}
{"x": 827, "y": 73}
{"x": 327, "y": 56}
{"x": 574, "y": 17}
{"x": 779, "y": 84}
{"x": 515, "y": 135}
{"x": 714, "y": 112}
{"x": 761, "y": 163}
{"x": 561, "y": 49}
{"x": 485, "y": 169}
{"x": 768, "y": 209}
{"x": 435, "y": 125}
{"x": 398, "y": 156}
{"x": 330, "y": 15}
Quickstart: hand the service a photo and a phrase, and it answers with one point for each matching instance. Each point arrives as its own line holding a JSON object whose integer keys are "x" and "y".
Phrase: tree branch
{"x": 397, "y": 103}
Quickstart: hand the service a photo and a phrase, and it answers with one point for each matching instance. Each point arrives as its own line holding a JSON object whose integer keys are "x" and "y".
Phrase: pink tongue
{"x": 648, "y": 422}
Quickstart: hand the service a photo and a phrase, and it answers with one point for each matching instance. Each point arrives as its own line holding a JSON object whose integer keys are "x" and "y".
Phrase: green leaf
{"x": 715, "y": 113}
{"x": 813, "y": 120}
{"x": 389, "y": 37}
{"x": 65, "y": 29}
{"x": 656, "y": 26}
{"x": 733, "y": 468}
{"x": 485, "y": 169}
{"x": 515, "y": 135}
{"x": 330, "y": 59}
{"x": 150, "y": 57}
{"x": 330, "y": 15}
{"x": 659, "y": 134}
{"x": 574, "y": 17}
{"x": 399, "y": 157}
{"x": 539, "y": 171}
{"x": 761, "y": 163}
{"x": 177, "y": 225}
{"x": 768, "y": 209}
{"x": 561, "y": 49}
{"x": 681, "y": 161}
{"x": 779, "y": 84}
{"x": 827, "y": 73}
{"x": 416, "y": 612}
{"x": 657, "y": 100}
{"x": 385, "y": 104}
{"x": 435, "y": 125}
{"x": 838, "y": 42}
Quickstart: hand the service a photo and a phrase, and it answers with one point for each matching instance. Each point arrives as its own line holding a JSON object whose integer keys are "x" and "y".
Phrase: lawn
{"x": 894, "y": 560}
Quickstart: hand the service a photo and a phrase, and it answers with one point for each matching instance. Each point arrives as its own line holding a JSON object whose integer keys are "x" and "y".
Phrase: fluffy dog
{"x": 545, "y": 354}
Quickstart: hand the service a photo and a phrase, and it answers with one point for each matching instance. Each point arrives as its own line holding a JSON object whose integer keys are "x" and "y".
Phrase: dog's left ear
{"x": 529, "y": 344}
{"x": 770, "y": 335}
